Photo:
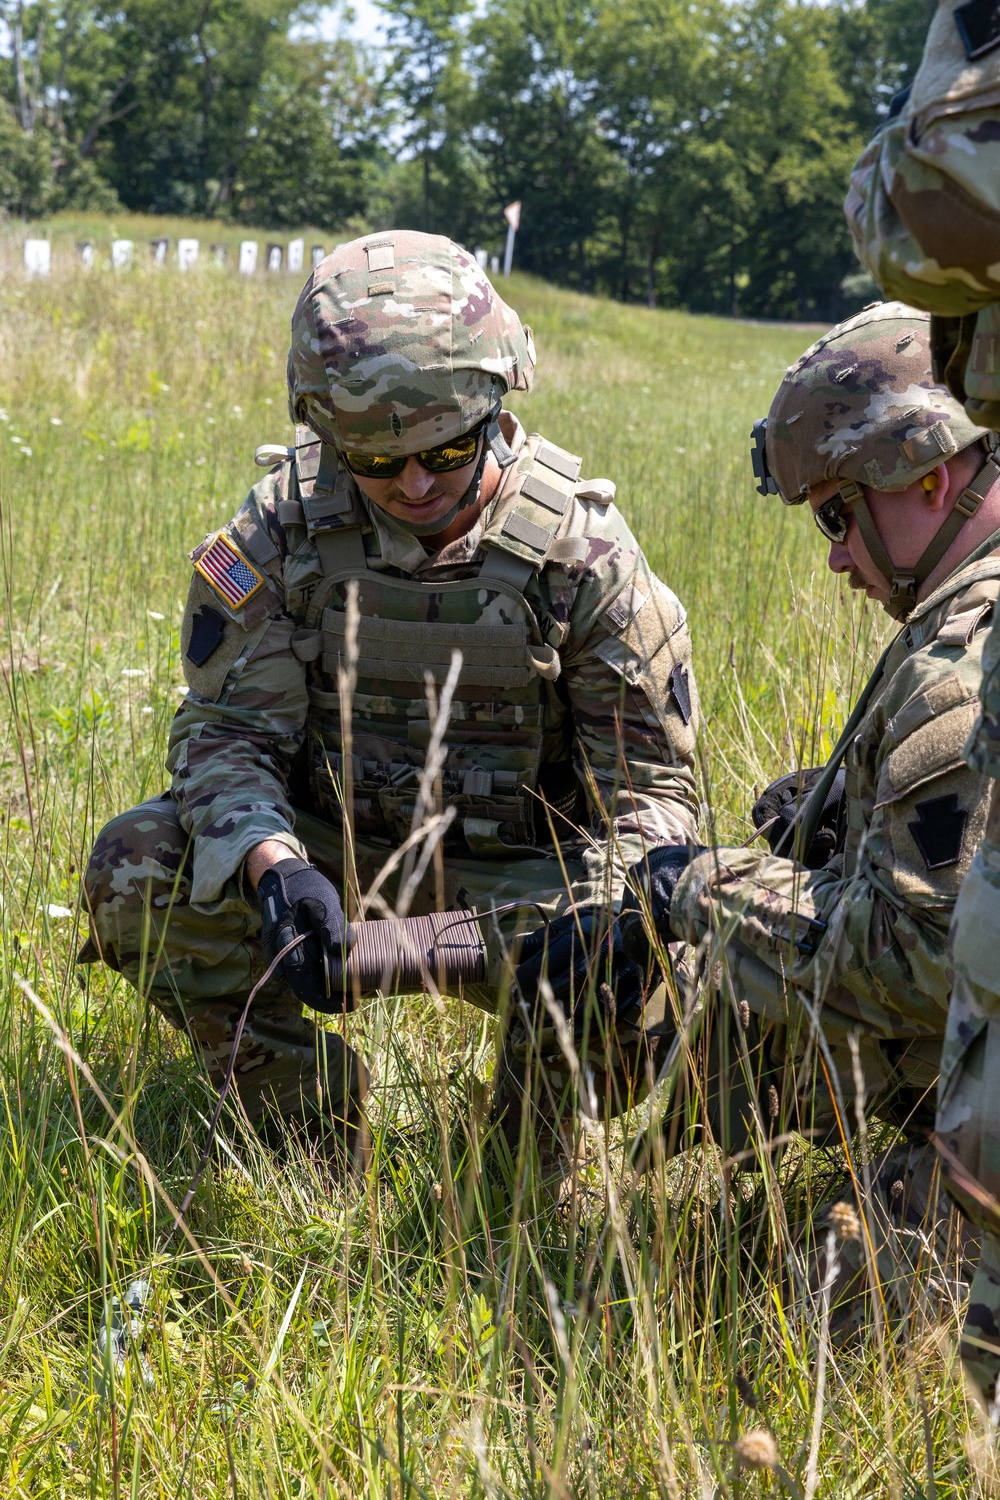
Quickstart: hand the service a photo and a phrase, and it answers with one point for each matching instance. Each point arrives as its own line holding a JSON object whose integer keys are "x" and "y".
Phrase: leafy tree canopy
{"x": 685, "y": 152}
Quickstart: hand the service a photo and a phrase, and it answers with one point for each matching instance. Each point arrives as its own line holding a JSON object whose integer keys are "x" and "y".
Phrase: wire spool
{"x": 398, "y": 956}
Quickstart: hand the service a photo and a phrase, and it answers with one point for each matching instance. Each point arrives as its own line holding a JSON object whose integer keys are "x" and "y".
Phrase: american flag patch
{"x": 229, "y": 573}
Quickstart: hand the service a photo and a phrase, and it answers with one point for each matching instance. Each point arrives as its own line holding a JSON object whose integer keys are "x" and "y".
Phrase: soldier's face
{"x": 906, "y": 520}
{"x": 418, "y": 496}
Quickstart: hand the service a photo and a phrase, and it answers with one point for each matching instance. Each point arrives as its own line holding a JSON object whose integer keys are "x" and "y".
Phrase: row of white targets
{"x": 277, "y": 257}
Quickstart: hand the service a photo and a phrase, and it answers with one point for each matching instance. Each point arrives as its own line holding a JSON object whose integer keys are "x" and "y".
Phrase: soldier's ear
{"x": 935, "y": 487}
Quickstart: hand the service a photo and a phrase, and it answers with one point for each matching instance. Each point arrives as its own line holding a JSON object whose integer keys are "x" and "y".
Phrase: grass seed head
{"x": 756, "y": 1449}
{"x": 844, "y": 1222}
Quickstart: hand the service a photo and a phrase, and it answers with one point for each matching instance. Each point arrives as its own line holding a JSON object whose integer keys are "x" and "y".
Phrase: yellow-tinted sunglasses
{"x": 440, "y": 460}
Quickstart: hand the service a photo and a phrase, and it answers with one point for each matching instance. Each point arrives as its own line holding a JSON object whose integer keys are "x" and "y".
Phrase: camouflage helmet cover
{"x": 861, "y": 404}
{"x": 399, "y": 342}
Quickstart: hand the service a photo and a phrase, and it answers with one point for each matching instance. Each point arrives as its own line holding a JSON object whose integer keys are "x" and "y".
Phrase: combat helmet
{"x": 400, "y": 343}
{"x": 861, "y": 406}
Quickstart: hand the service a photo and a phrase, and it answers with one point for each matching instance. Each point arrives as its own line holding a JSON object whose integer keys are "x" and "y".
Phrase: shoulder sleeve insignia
{"x": 227, "y": 571}
{"x": 939, "y": 831}
{"x": 207, "y": 631}
{"x": 681, "y": 690}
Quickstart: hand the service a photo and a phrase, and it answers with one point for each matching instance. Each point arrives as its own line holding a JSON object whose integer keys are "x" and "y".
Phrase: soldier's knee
{"x": 143, "y": 845}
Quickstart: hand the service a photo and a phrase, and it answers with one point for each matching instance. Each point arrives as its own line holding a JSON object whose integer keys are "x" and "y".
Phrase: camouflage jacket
{"x": 866, "y": 936}
{"x": 621, "y": 690}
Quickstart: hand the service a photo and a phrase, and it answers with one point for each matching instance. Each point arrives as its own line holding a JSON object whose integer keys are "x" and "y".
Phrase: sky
{"x": 368, "y": 25}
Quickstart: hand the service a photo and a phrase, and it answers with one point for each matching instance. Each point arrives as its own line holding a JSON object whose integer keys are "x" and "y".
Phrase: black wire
{"x": 465, "y": 917}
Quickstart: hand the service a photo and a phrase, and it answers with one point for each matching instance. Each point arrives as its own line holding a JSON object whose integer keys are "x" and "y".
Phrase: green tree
{"x": 312, "y": 151}
{"x": 436, "y": 184}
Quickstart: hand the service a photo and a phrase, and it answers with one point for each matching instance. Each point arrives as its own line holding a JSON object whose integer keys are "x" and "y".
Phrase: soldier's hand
{"x": 579, "y": 956}
{"x": 296, "y": 900}
{"x": 655, "y": 877}
{"x": 776, "y": 811}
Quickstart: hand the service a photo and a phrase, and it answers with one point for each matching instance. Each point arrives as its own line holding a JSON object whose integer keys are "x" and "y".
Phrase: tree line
{"x": 689, "y": 153}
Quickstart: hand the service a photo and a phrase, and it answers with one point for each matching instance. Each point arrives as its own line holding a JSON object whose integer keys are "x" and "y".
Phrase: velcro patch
{"x": 939, "y": 831}
{"x": 622, "y": 610}
{"x": 207, "y": 630}
{"x": 227, "y": 571}
{"x": 380, "y": 257}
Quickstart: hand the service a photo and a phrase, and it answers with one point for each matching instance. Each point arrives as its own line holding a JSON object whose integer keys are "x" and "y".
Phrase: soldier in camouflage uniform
{"x": 569, "y": 747}
{"x": 849, "y": 941}
{"x": 924, "y": 208}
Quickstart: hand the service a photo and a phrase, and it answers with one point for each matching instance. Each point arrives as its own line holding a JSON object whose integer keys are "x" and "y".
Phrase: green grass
{"x": 423, "y": 1331}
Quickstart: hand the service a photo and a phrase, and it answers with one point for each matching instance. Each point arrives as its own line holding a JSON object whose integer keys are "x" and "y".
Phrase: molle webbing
{"x": 529, "y": 519}
{"x": 404, "y": 650}
{"x": 408, "y": 629}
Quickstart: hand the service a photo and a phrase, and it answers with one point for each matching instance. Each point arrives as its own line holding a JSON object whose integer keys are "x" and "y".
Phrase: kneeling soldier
{"x": 847, "y": 942}
{"x": 924, "y": 208}
{"x": 569, "y": 747}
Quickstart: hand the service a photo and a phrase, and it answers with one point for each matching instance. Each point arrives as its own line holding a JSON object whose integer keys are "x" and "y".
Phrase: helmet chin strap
{"x": 904, "y": 583}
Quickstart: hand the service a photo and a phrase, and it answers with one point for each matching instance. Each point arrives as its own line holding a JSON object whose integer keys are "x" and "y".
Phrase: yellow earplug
{"x": 930, "y": 482}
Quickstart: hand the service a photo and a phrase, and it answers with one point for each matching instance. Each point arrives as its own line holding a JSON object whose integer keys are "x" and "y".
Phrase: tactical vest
{"x": 408, "y": 632}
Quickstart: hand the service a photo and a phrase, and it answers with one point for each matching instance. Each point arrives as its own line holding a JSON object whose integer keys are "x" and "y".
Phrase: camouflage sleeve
{"x": 923, "y": 235}
{"x": 625, "y": 654}
{"x": 872, "y": 945}
{"x": 234, "y": 735}
{"x": 983, "y": 748}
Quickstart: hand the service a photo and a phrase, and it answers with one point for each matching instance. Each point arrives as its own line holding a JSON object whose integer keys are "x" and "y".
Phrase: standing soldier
{"x": 924, "y": 209}
{"x": 848, "y": 941}
{"x": 571, "y": 734}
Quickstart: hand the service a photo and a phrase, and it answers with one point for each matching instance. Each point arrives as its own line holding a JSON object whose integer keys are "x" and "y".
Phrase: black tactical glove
{"x": 775, "y": 811}
{"x": 573, "y": 953}
{"x": 295, "y": 900}
{"x": 656, "y": 877}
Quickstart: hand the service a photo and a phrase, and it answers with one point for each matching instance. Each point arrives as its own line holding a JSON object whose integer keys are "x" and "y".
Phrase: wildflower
{"x": 54, "y": 910}
{"x": 25, "y": 451}
{"x": 756, "y": 1450}
{"x": 55, "y": 421}
{"x": 844, "y": 1222}
{"x": 133, "y": 672}
{"x": 154, "y": 614}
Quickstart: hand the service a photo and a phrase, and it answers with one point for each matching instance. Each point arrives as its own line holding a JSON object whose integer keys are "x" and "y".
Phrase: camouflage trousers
{"x": 808, "y": 1068}
{"x": 197, "y": 965}
{"x": 968, "y": 1119}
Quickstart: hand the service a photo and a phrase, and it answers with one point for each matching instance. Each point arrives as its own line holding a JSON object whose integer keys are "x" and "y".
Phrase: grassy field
{"x": 420, "y": 1332}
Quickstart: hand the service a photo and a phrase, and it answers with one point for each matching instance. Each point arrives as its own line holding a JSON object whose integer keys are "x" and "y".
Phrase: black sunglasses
{"x": 440, "y": 460}
{"x": 833, "y": 517}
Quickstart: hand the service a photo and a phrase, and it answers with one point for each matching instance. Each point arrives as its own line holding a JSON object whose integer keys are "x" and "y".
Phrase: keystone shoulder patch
{"x": 227, "y": 571}
{"x": 680, "y": 688}
{"x": 207, "y": 630}
{"x": 939, "y": 831}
